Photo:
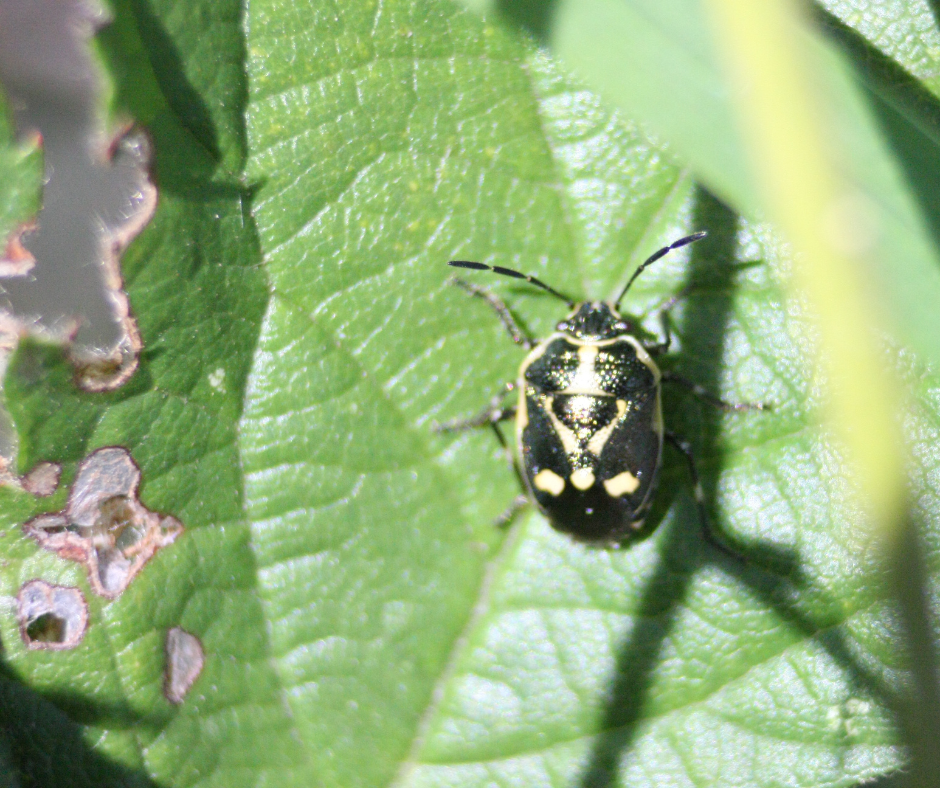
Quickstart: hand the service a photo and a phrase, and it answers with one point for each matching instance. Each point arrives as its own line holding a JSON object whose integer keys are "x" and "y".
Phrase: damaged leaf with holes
{"x": 104, "y": 526}
{"x": 51, "y": 617}
{"x": 339, "y": 588}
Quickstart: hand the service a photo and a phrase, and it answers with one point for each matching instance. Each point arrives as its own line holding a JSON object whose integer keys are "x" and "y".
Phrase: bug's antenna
{"x": 655, "y": 256}
{"x": 497, "y": 269}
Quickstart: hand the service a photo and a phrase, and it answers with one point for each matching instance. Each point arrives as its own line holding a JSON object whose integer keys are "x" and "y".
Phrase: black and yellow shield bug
{"x": 589, "y": 420}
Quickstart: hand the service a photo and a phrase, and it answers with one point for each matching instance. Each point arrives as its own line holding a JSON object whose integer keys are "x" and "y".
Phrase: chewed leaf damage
{"x": 184, "y": 661}
{"x": 104, "y": 526}
{"x": 51, "y": 617}
{"x": 106, "y": 371}
{"x": 43, "y": 480}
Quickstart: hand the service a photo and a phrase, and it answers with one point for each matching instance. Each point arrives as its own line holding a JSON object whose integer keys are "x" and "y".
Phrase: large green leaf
{"x": 363, "y": 622}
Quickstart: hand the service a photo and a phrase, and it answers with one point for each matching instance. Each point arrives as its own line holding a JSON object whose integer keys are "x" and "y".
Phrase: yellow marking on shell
{"x": 587, "y": 354}
{"x": 582, "y": 478}
{"x": 621, "y": 484}
{"x": 549, "y": 481}
{"x": 643, "y": 357}
{"x": 585, "y": 380}
{"x": 580, "y": 406}
{"x": 522, "y": 411}
{"x": 536, "y": 353}
{"x": 569, "y": 441}
{"x": 599, "y": 439}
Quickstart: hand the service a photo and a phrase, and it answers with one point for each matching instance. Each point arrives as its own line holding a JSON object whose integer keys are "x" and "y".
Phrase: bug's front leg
{"x": 518, "y": 335}
{"x": 663, "y": 315}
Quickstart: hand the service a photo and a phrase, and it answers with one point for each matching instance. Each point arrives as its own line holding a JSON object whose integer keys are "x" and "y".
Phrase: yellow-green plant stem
{"x": 767, "y": 54}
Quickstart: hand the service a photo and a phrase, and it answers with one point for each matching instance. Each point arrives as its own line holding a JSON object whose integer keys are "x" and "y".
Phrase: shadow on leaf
{"x": 42, "y": 746}
{"x": 770, "y": 573}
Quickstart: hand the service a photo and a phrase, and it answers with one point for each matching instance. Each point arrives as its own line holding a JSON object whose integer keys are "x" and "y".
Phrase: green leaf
{"x": 363, "y": 622}
{"x": 682, "y": 95}
{"x": 21, "y": 165}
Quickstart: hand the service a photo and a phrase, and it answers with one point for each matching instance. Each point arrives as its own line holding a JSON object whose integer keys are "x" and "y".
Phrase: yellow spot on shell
{"x": 549, "y": 481}
{"x": 582, "y": 478}
{"x": 622, "y": 483}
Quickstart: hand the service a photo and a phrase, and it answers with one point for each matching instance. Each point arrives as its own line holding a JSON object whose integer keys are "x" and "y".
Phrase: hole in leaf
{"x": 46, "y": 628}
{"x": 104, "y": 525}
{"x": 50, "y": 616}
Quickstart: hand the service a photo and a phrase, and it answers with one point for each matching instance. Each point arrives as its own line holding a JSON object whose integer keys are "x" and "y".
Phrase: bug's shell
{"x": 589, "y": 430}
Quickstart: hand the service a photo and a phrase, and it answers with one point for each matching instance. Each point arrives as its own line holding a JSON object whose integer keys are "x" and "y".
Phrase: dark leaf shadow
{"x": 935, "y": 10}
{"x": 919, "y": 714}
{"x": 183, "y": 98}
{"x": 532, "y": 16}
{"x": 774, "y": 576}
{"x": 41, "y": 746}
{"x": 907, "y": 113}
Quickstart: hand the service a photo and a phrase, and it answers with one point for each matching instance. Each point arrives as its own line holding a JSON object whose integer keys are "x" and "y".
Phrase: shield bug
{"x": 589, "y": 423}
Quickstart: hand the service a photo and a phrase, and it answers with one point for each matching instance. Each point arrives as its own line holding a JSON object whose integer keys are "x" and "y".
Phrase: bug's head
{"x": 594, "y": 320}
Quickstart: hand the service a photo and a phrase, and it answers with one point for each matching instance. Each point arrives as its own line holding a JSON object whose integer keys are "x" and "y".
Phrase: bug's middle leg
{"x": 493, "y": 414}
{"x": 706, "y": 396}
{"x": 663, "y": 346}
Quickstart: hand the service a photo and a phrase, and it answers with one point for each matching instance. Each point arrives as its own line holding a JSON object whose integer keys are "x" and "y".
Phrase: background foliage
{"x": 363, "y": 622}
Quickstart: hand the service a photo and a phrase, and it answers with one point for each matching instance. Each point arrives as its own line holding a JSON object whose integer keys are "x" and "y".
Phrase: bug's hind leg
{"x": 521, "y": 500}
{"x": 707, "y": 396}
{"x": 491, "y": 416}
{"x": 712, "y": 535}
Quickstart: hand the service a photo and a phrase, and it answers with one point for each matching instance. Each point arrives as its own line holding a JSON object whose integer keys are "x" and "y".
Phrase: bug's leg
{"x": 707, "y": 396}
{"x": 711, "y": 535}
{"x": 518, "y": 503}
{"x": 492, "y": 414}
{"x": 520, "y": 500}
{"x": 664, "y": 325}
{"x": 489, "y": 416}
{"x": 505, "y": 316}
